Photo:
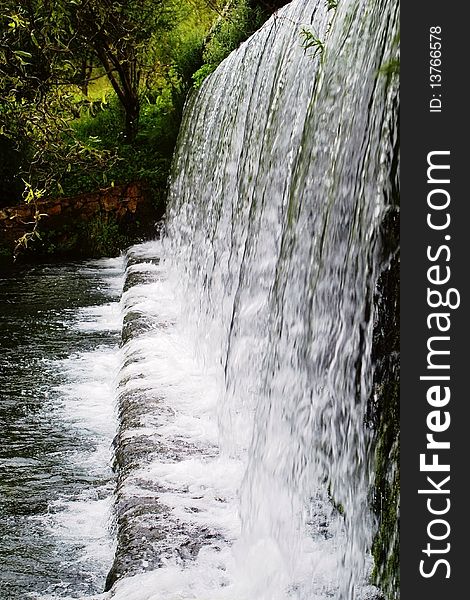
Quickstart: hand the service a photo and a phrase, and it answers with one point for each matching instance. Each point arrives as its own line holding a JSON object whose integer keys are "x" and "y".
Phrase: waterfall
{"x": 248, "y": 366}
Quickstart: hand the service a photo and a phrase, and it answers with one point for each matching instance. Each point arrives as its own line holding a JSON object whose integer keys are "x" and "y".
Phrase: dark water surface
{"x": 59, "y": 330}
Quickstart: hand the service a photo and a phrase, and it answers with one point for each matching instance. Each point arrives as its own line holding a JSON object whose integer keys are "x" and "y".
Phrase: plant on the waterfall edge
{"x": 391, "y": 67}
{"x": 332, "y": 4}
{"x": 310, "y": 40}
{"x": 201, "y": 74}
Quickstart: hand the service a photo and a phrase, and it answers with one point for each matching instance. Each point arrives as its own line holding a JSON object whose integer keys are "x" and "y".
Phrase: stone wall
{"x": 66, "y": 224}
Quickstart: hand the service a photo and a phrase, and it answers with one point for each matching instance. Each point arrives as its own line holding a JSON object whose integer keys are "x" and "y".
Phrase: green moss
{"x": 385, "y": 549}
{"x": 384, "y": 416}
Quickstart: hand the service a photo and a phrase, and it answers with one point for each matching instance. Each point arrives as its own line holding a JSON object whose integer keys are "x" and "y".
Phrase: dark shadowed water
{"x": 59, "y": 329}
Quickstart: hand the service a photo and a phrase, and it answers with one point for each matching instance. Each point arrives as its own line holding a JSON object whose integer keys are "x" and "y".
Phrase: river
{"x": 59, "y": 333}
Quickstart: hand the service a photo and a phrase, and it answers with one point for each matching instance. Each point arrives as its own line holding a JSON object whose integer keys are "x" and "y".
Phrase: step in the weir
{"x": 150, "y": 531}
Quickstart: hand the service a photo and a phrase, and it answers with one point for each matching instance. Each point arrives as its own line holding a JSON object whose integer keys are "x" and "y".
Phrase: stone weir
{"x": 148, "y": 530}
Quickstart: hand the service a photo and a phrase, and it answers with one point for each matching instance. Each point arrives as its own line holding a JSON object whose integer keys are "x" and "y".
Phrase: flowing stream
{"x": 245, "y": 461}
{"x": 59, "y": 333}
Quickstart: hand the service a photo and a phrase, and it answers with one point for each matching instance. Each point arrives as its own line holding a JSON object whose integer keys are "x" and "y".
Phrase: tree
{"x": 39, "y": 53}
{"x": 36, "y": 74}
{"x": 45, "y": 44}
{"x": 117, "y": 33}
{"x": 52, "y": 49}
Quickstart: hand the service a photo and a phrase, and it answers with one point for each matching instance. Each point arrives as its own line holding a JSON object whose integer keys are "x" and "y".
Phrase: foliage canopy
{"x": 92, "y": 91}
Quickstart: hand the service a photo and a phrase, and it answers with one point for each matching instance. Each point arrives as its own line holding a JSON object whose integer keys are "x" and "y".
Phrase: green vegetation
{"x": 100, "y": 236}
{"x": 235, "y": 24}
{"x": 384, "y": 412}
{"x": 310, "y": 40}
{"x": 391, "y": 67}
{"x": 147, "y": 159}
{"x": 92, "y": 91}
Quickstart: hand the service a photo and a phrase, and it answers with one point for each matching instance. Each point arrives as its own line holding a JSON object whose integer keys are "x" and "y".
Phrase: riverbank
{"x": 89, "y": 225}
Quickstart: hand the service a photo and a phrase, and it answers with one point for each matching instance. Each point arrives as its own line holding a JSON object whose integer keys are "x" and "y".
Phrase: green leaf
{"x": 35, "y": 40}
{"x": 22, "y": 53}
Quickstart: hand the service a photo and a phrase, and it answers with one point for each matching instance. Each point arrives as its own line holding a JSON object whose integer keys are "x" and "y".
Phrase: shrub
{"x": 241, "y": 21}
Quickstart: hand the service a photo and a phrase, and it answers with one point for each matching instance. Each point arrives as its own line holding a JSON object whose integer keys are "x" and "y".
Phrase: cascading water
{"x": 248, "y": 368}
{"x": 248, "y": 377}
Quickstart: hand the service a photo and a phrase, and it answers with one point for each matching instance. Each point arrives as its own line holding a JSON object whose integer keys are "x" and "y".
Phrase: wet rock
{"x": 148, "y": 531}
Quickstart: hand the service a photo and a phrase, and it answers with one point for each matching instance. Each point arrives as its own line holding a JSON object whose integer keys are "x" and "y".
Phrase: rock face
{"x": 67, "y": 225}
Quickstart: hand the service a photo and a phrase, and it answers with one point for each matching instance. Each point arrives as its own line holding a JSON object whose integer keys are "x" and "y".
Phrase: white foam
{"x": 204, "y": 489}
{"x": 84, "y": 400}
{"x": 86, "y": 523}
{"x": 99, "y": 318}
{"x": 88, "y": 392}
